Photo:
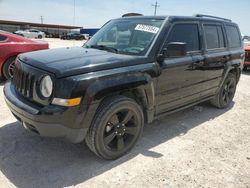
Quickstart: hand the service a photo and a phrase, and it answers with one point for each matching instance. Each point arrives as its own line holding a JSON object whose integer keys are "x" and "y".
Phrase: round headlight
{"x": 46, "y": 86}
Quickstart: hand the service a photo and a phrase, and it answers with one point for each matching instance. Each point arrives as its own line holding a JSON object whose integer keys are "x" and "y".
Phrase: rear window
{"x": 3, "y": 38}
{"x": 233, "y": 35}
{"x": 214, "y": 37}
{"x": 186, "y": 33}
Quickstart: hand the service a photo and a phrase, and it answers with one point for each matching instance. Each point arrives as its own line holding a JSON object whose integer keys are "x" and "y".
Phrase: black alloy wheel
{"x": 120, "y": 130}
{"x": 116, "y": 127}
{"x": 226, "y": 93}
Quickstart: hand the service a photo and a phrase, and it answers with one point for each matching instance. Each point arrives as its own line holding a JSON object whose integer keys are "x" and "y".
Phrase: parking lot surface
{"x": 199, "y": 147}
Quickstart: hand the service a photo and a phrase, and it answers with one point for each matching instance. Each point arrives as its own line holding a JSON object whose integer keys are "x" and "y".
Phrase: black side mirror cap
{"x": 174, "y": 49}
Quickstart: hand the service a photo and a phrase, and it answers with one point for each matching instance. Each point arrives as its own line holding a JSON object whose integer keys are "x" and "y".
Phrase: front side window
{"x": 3, "y": 38}
{"x": 233, "y": 35}
{"x": 214, "y": 37}
{"x": 186, "y": 33}
{"x": 128, "y": 36}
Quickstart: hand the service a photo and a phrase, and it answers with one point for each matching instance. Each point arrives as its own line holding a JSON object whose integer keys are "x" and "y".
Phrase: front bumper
{"x": 49, "y": 121}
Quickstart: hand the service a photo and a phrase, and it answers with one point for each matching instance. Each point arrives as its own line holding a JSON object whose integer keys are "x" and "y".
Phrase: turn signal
{"x": 67, "y": 102}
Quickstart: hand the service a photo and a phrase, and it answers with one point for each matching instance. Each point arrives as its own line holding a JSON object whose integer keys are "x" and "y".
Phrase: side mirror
{"x": 174, "y": 49}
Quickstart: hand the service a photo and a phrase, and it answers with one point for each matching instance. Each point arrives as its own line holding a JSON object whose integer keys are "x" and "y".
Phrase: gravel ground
{"x": 199, "y": 147}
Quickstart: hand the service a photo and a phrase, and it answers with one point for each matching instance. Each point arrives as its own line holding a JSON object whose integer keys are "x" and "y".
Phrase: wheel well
{"x": 136, "y": 94}
{"x": 236, "y": 72}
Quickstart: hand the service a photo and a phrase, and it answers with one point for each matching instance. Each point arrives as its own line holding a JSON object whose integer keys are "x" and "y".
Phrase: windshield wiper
{"x": 103, "y": 47}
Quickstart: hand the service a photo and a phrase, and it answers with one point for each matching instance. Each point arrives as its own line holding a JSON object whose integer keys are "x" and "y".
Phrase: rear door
{"x": 180, "y": 83}
{"x": 216, "y": 56}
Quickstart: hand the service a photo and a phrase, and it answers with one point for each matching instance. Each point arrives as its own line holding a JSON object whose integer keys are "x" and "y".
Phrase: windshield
{"x": 128, "y": 36}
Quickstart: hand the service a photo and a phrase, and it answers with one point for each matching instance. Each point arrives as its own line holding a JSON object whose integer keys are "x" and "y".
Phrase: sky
{"x": 94, "y": 13}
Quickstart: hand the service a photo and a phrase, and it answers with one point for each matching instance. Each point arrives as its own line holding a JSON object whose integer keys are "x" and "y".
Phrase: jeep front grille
{"x": 24, "y": 82}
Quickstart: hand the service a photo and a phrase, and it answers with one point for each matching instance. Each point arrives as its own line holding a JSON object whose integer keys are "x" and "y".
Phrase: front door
{"x": 180, "y": 82}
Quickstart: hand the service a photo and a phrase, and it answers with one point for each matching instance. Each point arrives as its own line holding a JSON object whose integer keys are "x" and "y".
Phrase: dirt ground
{"x": 198, "y": 147}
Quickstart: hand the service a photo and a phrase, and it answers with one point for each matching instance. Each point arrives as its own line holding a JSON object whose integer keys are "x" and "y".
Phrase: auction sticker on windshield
{"x": 147, "y": 28}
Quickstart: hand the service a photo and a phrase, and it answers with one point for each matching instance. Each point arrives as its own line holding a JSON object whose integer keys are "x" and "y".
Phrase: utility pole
{"x": 156, "y": 5}
{"x": 41, "y": 19}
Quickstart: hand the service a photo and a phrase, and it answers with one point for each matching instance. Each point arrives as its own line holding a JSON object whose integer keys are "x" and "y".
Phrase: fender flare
{"x": 229, "y": 67}
{"x": 100, "y": 89}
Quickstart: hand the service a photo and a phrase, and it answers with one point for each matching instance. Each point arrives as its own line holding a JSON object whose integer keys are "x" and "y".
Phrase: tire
{"x": 245, "y": 68}
{"x": 8, "y": 68}
{"x": 40, "y": 36}
{"x": 116, "y": 127}
{"x": 226, "y": 93}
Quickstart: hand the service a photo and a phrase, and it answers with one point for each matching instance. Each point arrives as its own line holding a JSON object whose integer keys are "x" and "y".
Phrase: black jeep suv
{"x": 132, "y": 71}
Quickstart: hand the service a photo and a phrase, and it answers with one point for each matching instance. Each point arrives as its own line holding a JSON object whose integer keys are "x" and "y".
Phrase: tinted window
{"x": 187, "y": 33}
{"x": 2, "y": 38}
{"x": 233, "y": 37}
{"x": 211, "y": 36}
{"x": 214, "y": 36}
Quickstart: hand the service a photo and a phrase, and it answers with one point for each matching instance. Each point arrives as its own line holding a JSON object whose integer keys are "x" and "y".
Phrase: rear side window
{"x": 3, "y": 38}
{"x": 214, "y": 37}
{"x": 233, "y": 35}
{"x": 186, "y": 33}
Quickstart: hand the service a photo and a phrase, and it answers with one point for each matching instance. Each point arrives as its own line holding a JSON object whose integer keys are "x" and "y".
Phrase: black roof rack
{"x": 215, "y": 17}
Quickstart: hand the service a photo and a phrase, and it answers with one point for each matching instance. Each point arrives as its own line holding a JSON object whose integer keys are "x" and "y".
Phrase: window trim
{"x": 166, "y": 40}
{"x": 223, "y": 32}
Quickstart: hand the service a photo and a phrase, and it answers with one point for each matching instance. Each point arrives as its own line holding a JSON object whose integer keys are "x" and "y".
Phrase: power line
{"x": 156, "y": 5}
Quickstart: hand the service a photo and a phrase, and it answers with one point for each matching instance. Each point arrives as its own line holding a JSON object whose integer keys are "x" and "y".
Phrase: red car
{"x": 10, "y": 46}
{"x": 247, "y": 57}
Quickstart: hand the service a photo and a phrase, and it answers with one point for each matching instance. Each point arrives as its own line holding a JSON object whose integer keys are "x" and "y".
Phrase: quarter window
{"x": 234, "y": 39}
{"x": 186, "y": 33}
{"x": 214, "y": 37}
{"x": 3, "y": 38}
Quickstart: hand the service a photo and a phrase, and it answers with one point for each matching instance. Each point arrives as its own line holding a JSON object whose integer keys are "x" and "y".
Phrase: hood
{"x": 77, "y": 60}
